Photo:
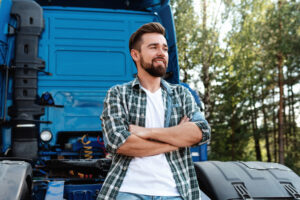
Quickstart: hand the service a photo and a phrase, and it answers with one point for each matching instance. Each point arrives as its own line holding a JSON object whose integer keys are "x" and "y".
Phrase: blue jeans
{"x": 132, "y": 196}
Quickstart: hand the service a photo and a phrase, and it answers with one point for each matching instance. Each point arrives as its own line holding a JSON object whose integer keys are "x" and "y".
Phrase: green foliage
{"x": 242, "y": 75}
{"x": 186, "y": 33}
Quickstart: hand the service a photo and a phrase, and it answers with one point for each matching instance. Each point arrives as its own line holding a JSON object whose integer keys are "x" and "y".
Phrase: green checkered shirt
{"x": 126, "y": 104}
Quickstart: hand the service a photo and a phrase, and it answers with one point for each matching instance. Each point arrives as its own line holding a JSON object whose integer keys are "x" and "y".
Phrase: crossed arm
{"x": 152, "y": 141}
{"x": 131, "y": 140}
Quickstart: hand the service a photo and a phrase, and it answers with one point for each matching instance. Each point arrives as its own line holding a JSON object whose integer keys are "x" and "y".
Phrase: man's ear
{"x": 135, "y": 54}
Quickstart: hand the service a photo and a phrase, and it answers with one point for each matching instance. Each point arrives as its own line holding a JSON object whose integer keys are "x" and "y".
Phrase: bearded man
{"x": 148, "y": 127}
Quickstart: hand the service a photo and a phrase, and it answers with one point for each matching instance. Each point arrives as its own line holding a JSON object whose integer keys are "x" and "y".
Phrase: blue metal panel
{"x": 6, "y": 51}
{"x": 203, "y": 152}
{"x": 86, "y": 50}
{"x": 82, "y": 192}
{"x": 199, "y": 153}
{"x": 55, "y": 190}
{"x": 195, "y": 151}
{"x": 166, "y": 19}
{"x": 5, "y": 139}
{"x": 137, "y": 5}
{"x": 5, "y": 7}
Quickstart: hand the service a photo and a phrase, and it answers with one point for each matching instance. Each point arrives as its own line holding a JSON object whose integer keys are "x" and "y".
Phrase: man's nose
{"x": 161, "y": 52}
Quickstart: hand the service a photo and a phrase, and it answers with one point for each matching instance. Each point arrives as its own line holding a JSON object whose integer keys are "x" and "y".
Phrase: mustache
{"x": 161, "y": 58}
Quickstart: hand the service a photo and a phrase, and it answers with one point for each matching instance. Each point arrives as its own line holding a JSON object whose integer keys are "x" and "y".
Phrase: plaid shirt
{"x": 126, "y": 104}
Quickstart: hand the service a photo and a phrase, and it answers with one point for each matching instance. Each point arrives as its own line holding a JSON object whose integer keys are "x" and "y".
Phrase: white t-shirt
{"x": 151, "y": 175}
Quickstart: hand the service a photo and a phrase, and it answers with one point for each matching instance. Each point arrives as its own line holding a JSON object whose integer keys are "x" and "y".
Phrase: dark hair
{"x": 136, "y": 37}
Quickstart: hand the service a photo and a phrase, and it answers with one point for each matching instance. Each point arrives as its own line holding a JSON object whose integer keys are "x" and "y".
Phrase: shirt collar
{"x": 165, "y": 85}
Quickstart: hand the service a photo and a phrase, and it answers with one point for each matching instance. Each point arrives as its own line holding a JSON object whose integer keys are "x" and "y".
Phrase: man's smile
{"x": 159, "y": 60}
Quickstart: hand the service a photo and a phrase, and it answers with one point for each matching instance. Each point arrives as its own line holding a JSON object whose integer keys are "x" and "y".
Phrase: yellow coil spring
{"x": 88, "y": 152}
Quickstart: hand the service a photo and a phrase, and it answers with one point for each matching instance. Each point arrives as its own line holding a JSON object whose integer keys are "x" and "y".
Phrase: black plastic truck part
{"x": 25, "y": 111}
{"x": 247, "y": 180}
{"x": 15, "y": 180}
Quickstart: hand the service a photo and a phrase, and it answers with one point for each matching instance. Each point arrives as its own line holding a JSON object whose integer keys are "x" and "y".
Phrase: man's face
{"x": 154, "y": 54}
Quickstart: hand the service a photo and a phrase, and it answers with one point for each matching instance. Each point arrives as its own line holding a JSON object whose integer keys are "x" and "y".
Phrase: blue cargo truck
{"x": 57, "y": 61}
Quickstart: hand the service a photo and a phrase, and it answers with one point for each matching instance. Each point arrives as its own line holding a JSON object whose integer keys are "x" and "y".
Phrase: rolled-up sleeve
{"x": 196, "y": 116}
{"x": 114, "y": 121}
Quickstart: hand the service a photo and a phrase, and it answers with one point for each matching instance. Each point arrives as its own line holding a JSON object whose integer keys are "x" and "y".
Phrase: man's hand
{"x": 183, "y": 120}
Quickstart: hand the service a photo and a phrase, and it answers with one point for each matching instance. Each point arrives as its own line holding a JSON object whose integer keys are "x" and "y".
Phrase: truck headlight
{"x": 46, "y": 136}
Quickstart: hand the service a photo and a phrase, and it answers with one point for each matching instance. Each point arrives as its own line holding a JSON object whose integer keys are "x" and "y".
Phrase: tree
{"x": 186, "y": 24}
{"x": 249, "y": 78}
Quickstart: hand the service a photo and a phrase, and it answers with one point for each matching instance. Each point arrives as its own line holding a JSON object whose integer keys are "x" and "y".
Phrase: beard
{"x": 158, "y": 71}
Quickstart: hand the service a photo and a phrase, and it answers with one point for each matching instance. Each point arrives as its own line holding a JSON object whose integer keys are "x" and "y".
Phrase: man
{"x": 147, "y": 128}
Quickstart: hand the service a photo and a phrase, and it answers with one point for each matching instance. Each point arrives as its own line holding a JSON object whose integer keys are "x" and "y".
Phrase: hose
{"x": 88, "y": 150}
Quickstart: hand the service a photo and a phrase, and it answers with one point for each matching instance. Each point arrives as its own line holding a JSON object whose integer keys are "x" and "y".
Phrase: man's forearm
{"x": 182, "y": 135}
{"x": 138, "y": 147}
